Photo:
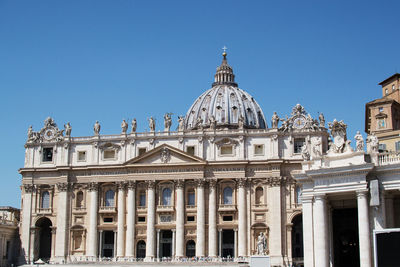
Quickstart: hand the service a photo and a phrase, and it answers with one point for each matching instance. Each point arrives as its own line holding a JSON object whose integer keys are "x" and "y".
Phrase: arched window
{"x": 45, "y": 200}
{"x": 191, "y": 197}
{"x": 228, "y": 195}
{"x": 259, "y": 195}
{"x": 141, "y": 249}
{"x": 79, "y": 199}
{"x": 109, "y": 198}
{"x": 190, "y": 248}
{"x": 166, "y": 197}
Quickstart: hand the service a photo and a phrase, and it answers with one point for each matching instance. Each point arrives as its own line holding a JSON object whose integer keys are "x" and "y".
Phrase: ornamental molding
{"x": 165, "y": 155}
{"x": 131, "y": 185}
{"x": 49, "y": 133}
{"x": 109, "y": 146}
{"x": 226, "y": 141}
{"x": 29, "y": 188}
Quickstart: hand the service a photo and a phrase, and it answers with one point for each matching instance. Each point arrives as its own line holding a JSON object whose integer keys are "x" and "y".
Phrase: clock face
{"x": 49, "y": 134}
{"x": 299, "y": 122}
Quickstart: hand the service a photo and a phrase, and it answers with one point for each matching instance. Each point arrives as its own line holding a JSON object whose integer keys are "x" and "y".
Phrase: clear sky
{"x": 82, "y": 61}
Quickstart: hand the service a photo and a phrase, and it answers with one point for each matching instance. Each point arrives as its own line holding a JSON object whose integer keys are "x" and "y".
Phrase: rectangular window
{"x": 258, "y": 149}
{"x": 398, "y": 147}
{"x": 141, "y": 219}
{"x": 190, "y": 150}
{"x": 141, "y": 151}
{"x": 82, "y": 156}
{"x": 380, "y": 109}
{"x": 227, "y": 218}
{"x": 190, "y": 218}
{"x": 226, "y": 150}
{"x": 142, "y": 199}
{"x": 165, "y": 218}
{"x": 109, "y": 154}
{"x": 191, "y": 198}
{"x": 47, "y": 154}
{"x": 108, "y": 219}
{"x": 381, "y": 124}
{"x": 298, "y": 144}
{"x": 382, "y": 147}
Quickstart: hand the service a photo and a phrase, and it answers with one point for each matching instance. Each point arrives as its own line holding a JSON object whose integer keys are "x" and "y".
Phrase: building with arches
{"x": 206, "y": 190}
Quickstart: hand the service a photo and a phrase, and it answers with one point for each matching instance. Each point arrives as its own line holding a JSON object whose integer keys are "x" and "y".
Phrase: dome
{"x": 226, "y": 104}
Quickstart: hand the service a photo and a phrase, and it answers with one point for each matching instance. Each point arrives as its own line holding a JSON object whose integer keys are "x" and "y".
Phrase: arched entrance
{"x": 141, "y": 249}
{"x": 297, "y": 239}
{"x": 190, "y": 249}
{"x": 43, "y": 239}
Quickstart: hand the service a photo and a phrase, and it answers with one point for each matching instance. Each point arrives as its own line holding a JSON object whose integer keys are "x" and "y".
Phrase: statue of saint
{"x": 304, "y": 152}
{"x": 133, "y": 125}
{"x": 373, "y": 143}
{"x": 241, "y": 122}
{"x": 30, "y": 133}
{"x": 321, "y": 120}
{"x": 199, "y": 123}
{"x": 261, "y": 244}
{"x": 359, "y": 141}
{"x": 68, "y": 129}
{"x": 213, "y": 122}
{"x": 181, "y": 123}
{"x": 96, "y": 128}
{"x": 167, "y": 122}
{"x": 124, "y": 126}
{"x": 275, "y": 120}
{"x": 152, "y": 124}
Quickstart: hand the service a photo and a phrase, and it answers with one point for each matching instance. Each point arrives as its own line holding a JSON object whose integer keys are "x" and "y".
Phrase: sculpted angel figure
{"x": 275, "y": 120}
{"x": 68, "y": 129}
{"x": 181, "y": 123}
{"x": 124, "y": 126}
{"x": 96, "y": 128}
{"x": 359, "y": 141}
{"x": 133, "y": 125}
{"x": 152, "y": 124}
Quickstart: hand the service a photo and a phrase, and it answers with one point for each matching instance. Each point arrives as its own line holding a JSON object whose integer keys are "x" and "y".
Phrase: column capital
{"x": 362, "y": 193}
{"x": 151, "y": 184}
{"x": 179, "y": 184}
{"x": 200, "y": 182}
{"x": 29, "y": 188}
{"x": 158, "y": 231}
{"x": 220, "y": 230}
{"x": 63, "y": 187}
{"x": 241, "y": 182}
{"x": 173, "y": 230}
{"x": 93, "y": 186}
{"x": 307, "y": 199}
{"x": 212, "y": 183}
{"x": 132, "y": 185}
{"x": 320, "y": 197}
{"x": 121, "y": 185}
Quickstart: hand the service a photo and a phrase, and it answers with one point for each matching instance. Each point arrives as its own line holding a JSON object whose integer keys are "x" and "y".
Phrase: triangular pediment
{"x": 165, "y": 155}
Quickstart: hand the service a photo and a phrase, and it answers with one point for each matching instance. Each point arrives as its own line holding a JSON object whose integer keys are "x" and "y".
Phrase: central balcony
{"x": 227, "y": 207}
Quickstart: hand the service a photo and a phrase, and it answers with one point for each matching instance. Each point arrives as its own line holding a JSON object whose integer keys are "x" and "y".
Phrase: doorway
{"x": 190, "y": 249}
{"x": 108, "y": 244}
{"x": 345, "y": 238}
{"x": 44, "y": 239}
{"x": 228, "y": 243}
{"x": 141, "y": 249}
{"x": 166, "y": 243}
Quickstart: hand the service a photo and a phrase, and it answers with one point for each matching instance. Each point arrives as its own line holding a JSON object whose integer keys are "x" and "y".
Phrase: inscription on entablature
{"x": 332, "y": 181}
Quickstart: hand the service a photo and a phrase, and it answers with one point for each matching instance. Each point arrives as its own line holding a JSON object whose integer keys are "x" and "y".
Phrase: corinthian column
{"x": 92, "y": 231}
{"x": 201, "y": 235}
{"x": 151, "y": 217}
{"x": 62, "y": 221}
{"x": 363, "y": 229}
{"x": 212, "y": 219}
{"x": 121, "y": 220}
{"x": 308, "y": 235}
{"x": 321, "y": 235}
{"x": 130, "y": 228}
{"x": 180, "y": 218}
{"x": 242, "y": 217}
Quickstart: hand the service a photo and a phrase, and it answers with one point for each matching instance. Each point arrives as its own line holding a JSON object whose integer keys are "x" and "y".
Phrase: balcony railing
{"x": 106, "y": 209}
{"x": 165, "y": 208}
{"x": 79, "y": 210}
{"x": 388, "y": 158}
{"x": 45, "y": 211}
{"x": 227, "y": 207}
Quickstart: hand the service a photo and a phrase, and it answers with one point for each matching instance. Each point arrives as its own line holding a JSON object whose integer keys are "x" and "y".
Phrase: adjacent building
{"x": 9, "y": 238}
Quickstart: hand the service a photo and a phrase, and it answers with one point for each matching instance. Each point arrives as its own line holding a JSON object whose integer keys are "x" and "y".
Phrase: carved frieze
{"x": 226, "y": 141}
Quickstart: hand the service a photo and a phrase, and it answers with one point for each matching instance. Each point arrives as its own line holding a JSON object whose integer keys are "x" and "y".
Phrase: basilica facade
{"x": 208, "y": 190}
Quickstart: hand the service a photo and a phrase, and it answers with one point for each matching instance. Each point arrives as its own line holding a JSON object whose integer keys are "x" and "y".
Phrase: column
{"x": 235, "y": 243}
{"x": 212, "y": 219}
{"x": 158, "y": 244}
{"x": 121, "y": 220}
{"x": 200, "y": 230}
{"x": 151, "y": 217}
{"x": 242, "y": 214}
{"x": 321, "y": 233}
{"x": 130, "y": 228}
{"x": 92, "y": 231}
{"x": 180, "y": 218}
{"x": 173, "y": 243}
{"x": 62, "y": 222}
{"x": 53, "y": 240}
{"x": 363, "y": 229}
{"x": 389, "y": 212}
{"x": 101, "y": 243}
{"x": 308, "y": 235}
{"x": 220, "y": 242}
{"x": 26, "y": 222}
{"x": 275, "y": 242}
{"x": 115, "y": 243}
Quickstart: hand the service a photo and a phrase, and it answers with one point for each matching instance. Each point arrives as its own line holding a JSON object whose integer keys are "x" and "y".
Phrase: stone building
{"x": 9, "y": 239}
{"x": 206, "y": 190}
{"x": 382, "y": 115}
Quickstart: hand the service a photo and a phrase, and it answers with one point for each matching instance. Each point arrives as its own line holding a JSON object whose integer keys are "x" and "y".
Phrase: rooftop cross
{"x": 224, "y": 48}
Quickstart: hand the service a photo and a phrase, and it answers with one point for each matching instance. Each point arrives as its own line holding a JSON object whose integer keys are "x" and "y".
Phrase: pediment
{"x": 165, "y": 155}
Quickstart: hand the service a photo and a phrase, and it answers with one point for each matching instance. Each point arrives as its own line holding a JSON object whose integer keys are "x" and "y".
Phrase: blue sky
{"x": 82, "y": 61}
